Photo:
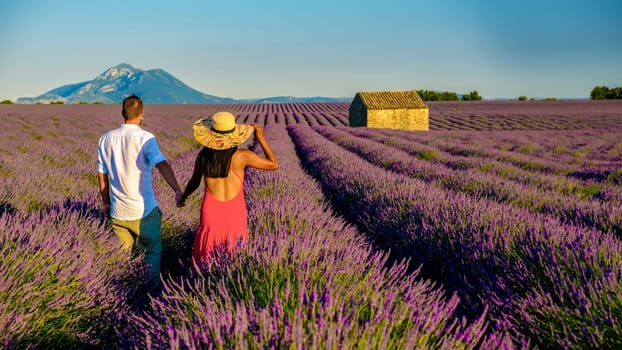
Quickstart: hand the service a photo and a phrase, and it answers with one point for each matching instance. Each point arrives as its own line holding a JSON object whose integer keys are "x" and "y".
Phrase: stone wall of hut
{"x": 405, "y": 119}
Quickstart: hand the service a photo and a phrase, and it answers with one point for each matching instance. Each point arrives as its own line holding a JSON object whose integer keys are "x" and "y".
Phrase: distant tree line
{"x": 428, "y": 95}
{"x": 605, "y": 93}
{"x": 471, "y": 96}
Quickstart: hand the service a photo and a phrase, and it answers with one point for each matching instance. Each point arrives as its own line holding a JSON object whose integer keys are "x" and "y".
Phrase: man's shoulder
{"x": 107, "y": 134}
{"x": 127, "y": 131}
{"x": 112, "y": 131}
{"x": 147, "y": 133}
{"x": 137, "y": 130}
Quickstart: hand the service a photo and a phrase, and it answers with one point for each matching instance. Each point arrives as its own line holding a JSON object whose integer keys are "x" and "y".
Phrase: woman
{"x": 221, "y": 165}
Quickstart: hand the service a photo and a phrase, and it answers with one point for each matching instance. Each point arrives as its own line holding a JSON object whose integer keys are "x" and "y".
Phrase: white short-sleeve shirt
{"x": 128, "y": 154}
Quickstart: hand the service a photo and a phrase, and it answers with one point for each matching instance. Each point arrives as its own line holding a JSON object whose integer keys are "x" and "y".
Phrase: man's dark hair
{"x": 132, "y": 107}
{"x": 215, "y": 163}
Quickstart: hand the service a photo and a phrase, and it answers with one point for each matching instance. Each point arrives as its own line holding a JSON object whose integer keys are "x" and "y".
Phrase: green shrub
{"x": 484, "y": 168}
{"x": 560, "y": 149}
{"x": 427, "y": 155}
{"x": 505, "y": 147}
{"x": 589, "y": 191}
{"x": 527, "y": 148}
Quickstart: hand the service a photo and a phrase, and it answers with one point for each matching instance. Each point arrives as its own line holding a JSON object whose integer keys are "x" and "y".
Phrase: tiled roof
{"x": 392, "y": 99}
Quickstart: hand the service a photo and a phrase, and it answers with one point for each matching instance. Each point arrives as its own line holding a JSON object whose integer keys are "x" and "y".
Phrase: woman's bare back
{"x": 226, "y": 188}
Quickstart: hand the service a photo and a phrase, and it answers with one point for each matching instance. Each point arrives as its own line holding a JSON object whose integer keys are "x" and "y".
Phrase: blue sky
{"x": 249, "y": 49}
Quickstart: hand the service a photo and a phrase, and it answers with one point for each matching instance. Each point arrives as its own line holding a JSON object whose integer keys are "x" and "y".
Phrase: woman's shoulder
{"x": 242, "y": 155}
{"x": 243, "y": 152}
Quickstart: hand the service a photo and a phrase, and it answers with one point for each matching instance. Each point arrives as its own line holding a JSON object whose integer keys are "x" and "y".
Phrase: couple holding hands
{"x": 126, "y": 157}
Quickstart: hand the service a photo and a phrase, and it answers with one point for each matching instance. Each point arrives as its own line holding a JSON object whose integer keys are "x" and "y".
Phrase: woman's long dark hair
{"x": 215, "y": 163}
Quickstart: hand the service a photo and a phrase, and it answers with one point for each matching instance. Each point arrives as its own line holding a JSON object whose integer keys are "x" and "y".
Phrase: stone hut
{"x": 389, "y": 109}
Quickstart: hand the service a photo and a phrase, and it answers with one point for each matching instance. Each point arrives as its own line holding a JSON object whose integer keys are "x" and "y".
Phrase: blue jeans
{"x": 147, "y": 233}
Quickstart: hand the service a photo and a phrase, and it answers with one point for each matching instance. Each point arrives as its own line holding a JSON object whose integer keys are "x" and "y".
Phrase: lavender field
{"x": 500, "y": 228}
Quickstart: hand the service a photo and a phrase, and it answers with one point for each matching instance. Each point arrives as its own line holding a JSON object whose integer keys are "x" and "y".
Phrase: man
{"x": 125, "y": 158}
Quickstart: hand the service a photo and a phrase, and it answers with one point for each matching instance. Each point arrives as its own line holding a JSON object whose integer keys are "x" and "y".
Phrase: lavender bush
{"x": 523, "y": 115}
{"x": 586, "y": 212}
{"x": 63, "y": 281}
{"x": 304, "y": 280}
{"x": 417, "y": 144}
{"x": 307, "y": 278}
{"x": 493, "y": 255}
{"x": 583, "y": 161}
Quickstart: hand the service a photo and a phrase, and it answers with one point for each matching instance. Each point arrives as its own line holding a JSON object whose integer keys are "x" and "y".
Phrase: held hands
{"x": 180, "y": 201}
{"x": 106, "y": 210}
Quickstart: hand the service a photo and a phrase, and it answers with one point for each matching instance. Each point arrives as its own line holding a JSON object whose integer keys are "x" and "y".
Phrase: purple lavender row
{"x": 523, "y": 161}
{"x": 569, "y": 147}
{"x": 305, "y": 280}
{"x": 524, "y": 156}
{"x": 63, "y": 281}
{"x": 565, "y": 146}
{"x": 557, "y": 284}
{"x": 499, "y": 122}
{"x": 591, "y": 155}
{"x": 605, "y": 217}
{"x": 597, "y": 168}
{"x": 604, "y": 191}
{"x": 525, "y": 115}
{"x": 597, "y": 175}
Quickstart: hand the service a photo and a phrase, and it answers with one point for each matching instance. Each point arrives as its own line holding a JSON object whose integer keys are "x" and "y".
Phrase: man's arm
{"x": 104, "y": 191}
{"x": 169, "y": 176}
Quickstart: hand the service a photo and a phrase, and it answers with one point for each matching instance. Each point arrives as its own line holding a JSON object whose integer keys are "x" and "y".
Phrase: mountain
{"x": 153, "y": 86}
{"x": 113, "y": 85}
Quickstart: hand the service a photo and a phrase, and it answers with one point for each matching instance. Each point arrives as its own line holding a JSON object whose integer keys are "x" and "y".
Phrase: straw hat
{"x": 220, "y": 131}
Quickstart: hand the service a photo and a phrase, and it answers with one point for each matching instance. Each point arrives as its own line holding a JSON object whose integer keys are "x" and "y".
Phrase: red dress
{"x": 222, "y": 224}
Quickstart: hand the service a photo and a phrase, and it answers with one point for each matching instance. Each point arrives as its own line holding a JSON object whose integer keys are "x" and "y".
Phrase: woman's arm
{"x": 254, "y": 160}
{"x": 193, "y": 183}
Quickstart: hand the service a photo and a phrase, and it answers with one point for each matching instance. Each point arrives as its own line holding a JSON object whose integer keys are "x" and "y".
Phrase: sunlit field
{"x": 500, "y": 227}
